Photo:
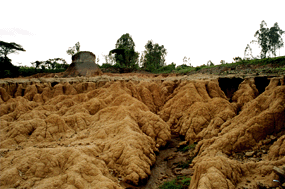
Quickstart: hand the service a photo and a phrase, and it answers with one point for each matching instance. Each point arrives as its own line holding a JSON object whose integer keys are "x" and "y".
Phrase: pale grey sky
{"x": 202, "y": 30}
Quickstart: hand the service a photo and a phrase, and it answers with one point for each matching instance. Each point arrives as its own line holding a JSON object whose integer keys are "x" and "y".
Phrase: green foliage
{"x": 237, "y": 59}
{"x": 186, "y": 148}
{"x": 210, "y": 63}
{"x": 248, "y": 50}
{"x": 125, "y": 55}
{"x": 184, "y": 70}
{"x": 109, "y": 59}
{"x": 73, "y": 50}
{"x": 198, "y": 68}
{"x": 52, "y": 64}
{"x": 185, "y": 165}
{"x": 106, "y": 65}
{"x": 275, "y": 39}
{"x": 7, "y": 48}
{"x": 263, "y": 38}
{"x": 153, "y": 56}
{"x": 269, "y": 39}
{"x": 7, "y": 68}
{"x": 186, "y": 61}
{"x": 178, "y": 183}
{"x": 275, "y": 61}
{"x": 186, "y": 181}
{"x": 28, "y": 71}
{"x": 165, "y": 69}
{"x": 37, "y": 63}
{"x": 125, "y": 42}
{"x": 181, "y": 67}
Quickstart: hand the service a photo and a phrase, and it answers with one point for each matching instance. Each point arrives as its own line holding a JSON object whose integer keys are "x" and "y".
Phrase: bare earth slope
{"x": 106, "y": 131}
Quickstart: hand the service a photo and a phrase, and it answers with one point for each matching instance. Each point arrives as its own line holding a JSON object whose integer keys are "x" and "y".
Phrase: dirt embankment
{"x": 106, "y": 132}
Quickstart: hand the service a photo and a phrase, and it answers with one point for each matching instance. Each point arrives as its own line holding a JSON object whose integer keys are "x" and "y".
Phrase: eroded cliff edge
{"x": 100, "y": 132}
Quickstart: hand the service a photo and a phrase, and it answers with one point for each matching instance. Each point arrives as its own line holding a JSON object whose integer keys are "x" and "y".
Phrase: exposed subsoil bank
{"x": 122, "y": 131}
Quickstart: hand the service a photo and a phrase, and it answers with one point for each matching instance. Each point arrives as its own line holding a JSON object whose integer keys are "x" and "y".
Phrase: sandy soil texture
{"x": 108, "y": 131}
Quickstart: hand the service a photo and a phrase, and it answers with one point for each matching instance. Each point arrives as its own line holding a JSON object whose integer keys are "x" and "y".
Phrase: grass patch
{"x": 185, "y": 70}
{"x": 186, "y": 148}
{"x": 178, "y": 183}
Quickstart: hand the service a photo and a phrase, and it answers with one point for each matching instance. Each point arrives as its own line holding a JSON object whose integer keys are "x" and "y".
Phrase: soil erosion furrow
{"x": 142, "y": 132}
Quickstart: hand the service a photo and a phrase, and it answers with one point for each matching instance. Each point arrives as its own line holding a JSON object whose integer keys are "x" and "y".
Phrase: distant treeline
{"x": 16, "y": 71}
{"x": 124, "y": 58}
{"x": 55, "y": 65}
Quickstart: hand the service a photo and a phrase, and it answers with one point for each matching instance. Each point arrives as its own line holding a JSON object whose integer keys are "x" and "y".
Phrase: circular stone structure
{"x": 83, "y": 64}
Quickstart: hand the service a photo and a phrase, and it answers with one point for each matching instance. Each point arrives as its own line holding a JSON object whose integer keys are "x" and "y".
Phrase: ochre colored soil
{"x": 108, "y": 131}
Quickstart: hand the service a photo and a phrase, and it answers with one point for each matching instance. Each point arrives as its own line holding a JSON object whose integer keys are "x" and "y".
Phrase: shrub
{"x": 197, "y": 68}
{"x": 106, "y": 65}
{"x": 181, "y": 67}
{"x": 165, "y": 69}
{"x": 28, "y": 71}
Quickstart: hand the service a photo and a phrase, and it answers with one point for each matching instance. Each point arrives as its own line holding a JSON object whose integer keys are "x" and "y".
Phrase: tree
{"x": 263, "y": 38}
{"x": 141, "y": 61}
{"x": 186, "y": 61}
{"x": 8, "y": 48}
{"x": 55, "y": 63}
{"x": 125, "y": 42}
{"x": 210, "y": 63}
{"x": 154, "y": 56}
{"x": 109, "y": 59}
{"x": 77, "y": 46}
{"x": 37, "y": 64}
{"x": 237, "y": 59}
{"x": 73, "y": 50}
{"x": 247, "y": 51}
{"x": 97, "y": 60}
{"x": 275, "y": 39}
{"x": 125, "y": 54}
{"x": 269, "y": 39}
{"x": 7, "y": 68}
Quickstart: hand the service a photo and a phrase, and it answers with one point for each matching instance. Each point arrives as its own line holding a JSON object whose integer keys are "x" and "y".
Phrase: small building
{"x": 83, "y": 64}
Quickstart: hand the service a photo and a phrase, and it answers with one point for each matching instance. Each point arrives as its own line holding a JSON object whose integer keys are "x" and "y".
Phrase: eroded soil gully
{"x": 102, "y": 132}
{"x": 171, "y": 162}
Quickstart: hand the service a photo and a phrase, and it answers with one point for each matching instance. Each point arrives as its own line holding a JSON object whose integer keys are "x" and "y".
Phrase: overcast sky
{"x": 202, "y": 30}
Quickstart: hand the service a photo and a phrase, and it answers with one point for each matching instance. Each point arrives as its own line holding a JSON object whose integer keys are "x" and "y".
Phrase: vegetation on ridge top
{"x": 124, "y": 58}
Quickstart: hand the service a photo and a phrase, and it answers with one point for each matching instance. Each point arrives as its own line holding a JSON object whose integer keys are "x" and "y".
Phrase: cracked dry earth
{"x": 125, "y": 131}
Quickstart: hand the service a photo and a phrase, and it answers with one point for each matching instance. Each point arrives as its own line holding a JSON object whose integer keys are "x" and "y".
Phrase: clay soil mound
{"x": 106, "y": 132}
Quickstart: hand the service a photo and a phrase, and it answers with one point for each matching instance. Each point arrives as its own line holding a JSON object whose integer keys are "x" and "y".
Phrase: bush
{"x": 106, "y": 66}
{"x": 181, "y": 67}
{"x": 28, "y": 71}
{"x": 165, "y": 69}
{"x": 197, "y": 68}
